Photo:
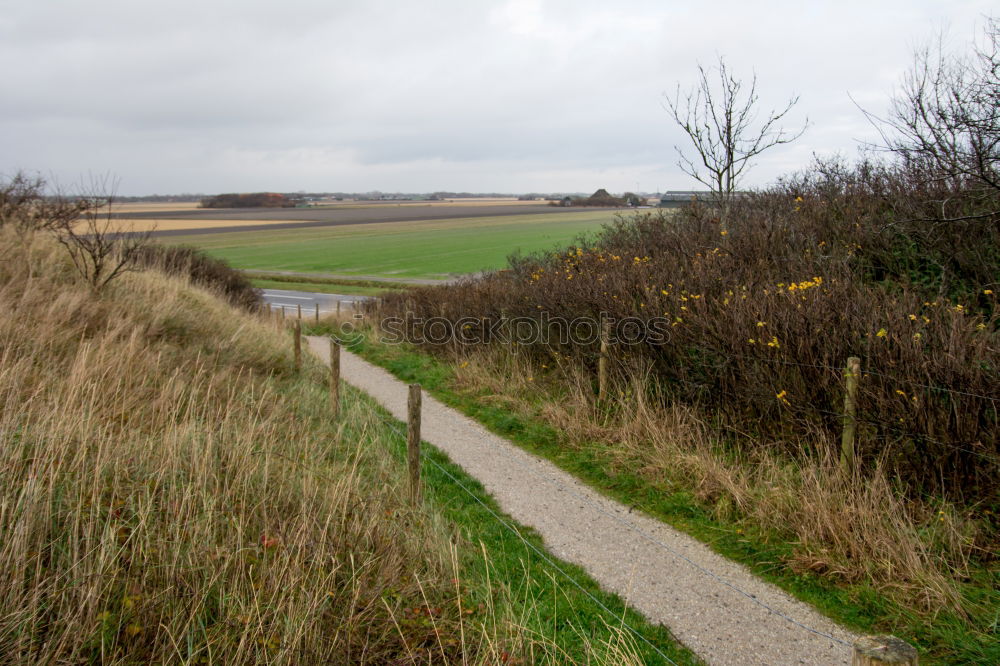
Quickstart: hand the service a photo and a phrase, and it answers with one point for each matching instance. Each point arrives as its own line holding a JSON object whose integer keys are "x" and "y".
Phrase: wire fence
{"x": 628, "y": 525}
{"x": 873, "y": 373}
{"x": 551, "y": 562}
{"x": 534, "y": 472}
{"x": 883, "y": 426}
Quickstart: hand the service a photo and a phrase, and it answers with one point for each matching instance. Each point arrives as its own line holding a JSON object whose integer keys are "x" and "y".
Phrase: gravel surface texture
{"x": 716, "y": 607}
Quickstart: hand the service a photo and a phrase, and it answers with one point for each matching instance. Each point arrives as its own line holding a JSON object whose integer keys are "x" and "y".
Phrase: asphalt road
{"x": 308, "y": 300}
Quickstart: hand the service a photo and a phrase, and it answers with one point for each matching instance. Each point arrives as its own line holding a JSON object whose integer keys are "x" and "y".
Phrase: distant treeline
{"x": 160, "y": 198}
{"x": 376, "y": 195}
{"x": 252, "y": 200}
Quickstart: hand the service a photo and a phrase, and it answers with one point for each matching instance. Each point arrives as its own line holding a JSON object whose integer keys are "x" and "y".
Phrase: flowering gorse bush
{"x": 765, "y": 307}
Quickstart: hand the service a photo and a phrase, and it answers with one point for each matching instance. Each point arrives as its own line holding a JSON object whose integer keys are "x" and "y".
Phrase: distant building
{"x": 678, "y": 198}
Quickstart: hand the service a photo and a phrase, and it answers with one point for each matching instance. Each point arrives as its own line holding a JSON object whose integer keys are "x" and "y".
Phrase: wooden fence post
{"x": 878, "y": 650}
{"x": 298, "y": 345}
{"x": 338, "y": 307}
{"x": 317, "y": 313}
{"x": 851, "y": 374}
{"x": 298, "y": 306}
{"x": 335, "y": 378}
{"x": 602, "y": 362}
{"x": 413, "y": 442}
{"x": 282, "y": 311}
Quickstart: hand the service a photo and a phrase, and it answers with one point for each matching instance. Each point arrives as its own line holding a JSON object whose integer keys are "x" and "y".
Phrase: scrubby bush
{"x": 252, "y": 200}
{"x": 764, "y": 309}
{"x": 203, "y": 270}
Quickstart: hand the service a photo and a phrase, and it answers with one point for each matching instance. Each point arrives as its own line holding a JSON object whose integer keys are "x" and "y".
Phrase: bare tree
{"x": 98, "y": 246}
{"x": 720, "y": 116}
{"x": 25, "y": 206}
{"x": 944, "y": 124}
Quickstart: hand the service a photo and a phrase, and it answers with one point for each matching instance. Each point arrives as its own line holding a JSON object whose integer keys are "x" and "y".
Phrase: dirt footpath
{"x": 717, "y": 608}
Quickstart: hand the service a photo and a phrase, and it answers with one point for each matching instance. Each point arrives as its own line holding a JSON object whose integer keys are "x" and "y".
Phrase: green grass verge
{"x": 416, "y": 249}
{"x": 496, "y": 565}
{"x": 318, "y": 287}
{"x": 319, "y": 279}
{"x": 945, "y": 638}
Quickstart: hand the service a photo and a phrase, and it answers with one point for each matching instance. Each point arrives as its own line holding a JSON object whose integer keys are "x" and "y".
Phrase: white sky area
{"x": 463, "y": 95}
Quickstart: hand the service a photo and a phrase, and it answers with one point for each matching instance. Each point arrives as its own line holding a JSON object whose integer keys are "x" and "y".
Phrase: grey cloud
{"x": 500, "y": 95}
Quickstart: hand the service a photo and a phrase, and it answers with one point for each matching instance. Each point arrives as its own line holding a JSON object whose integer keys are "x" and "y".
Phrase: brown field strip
{"x": 183, "y": 224}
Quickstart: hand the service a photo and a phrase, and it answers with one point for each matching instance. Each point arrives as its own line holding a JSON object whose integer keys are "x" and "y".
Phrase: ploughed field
{"x": 186, "y": 219}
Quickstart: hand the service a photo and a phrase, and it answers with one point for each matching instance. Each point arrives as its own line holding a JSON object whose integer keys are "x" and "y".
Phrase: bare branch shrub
{"x": 720, "y": 117}
{"x": 944, "y": 124}
{"x": 98, "y": 246}
{"x": 25, "y": 206}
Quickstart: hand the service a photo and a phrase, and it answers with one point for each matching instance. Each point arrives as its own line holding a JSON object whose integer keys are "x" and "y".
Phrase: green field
{"x": 428, "y": 249}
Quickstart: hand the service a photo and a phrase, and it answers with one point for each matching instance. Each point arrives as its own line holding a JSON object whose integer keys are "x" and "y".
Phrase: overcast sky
{"x": 475, "y": 95}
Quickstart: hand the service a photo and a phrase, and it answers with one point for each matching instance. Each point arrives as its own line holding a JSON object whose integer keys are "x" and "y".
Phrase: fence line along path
{"x": 716, "y": 607}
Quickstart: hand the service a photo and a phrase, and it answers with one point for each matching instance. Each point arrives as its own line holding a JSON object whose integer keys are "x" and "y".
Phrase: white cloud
{"x": 521, "y": 17}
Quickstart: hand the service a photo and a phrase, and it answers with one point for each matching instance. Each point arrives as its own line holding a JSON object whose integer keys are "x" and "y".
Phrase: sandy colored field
{"x": 484, "y": 201}
{"x": 153, "y": 207}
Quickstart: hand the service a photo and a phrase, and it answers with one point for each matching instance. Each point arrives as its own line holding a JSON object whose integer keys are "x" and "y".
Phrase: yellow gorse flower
{"x": 804, "y": 284}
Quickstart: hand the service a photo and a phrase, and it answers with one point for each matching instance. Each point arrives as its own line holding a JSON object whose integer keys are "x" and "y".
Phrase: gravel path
{"x": 666, "y": 575}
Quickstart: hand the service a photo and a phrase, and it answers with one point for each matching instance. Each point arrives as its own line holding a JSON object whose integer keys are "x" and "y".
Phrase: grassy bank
{"x": 173, "y": 490}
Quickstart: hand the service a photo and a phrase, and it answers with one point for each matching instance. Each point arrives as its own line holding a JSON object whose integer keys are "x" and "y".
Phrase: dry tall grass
{"x": 171, "y": 491}
{"x": 160, "y": 493}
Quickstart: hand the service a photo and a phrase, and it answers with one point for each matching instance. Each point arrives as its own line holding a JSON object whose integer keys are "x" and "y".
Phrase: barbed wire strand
{"x": 876, "y": 373}
{"x": 629, "y": 525}
{"x": 803, "y": 412}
